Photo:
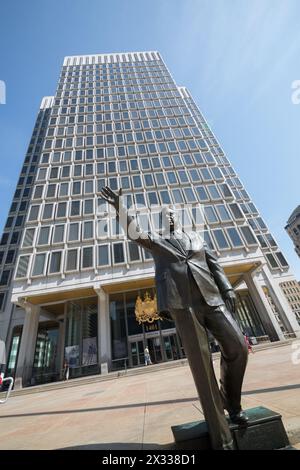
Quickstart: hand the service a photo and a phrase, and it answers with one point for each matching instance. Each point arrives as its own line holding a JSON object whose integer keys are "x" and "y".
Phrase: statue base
{"x": 265, "y": 431}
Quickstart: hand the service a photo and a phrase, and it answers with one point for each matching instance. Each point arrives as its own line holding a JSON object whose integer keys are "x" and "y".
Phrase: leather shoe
{"x": 239, "y": 418}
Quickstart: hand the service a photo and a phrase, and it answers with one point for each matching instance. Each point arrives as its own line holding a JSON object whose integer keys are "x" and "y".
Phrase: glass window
{"x": 54, "y": 172}
{"x": 137, "y": 182}
{"x": 65, "y": 171}
{"x": 28, "y": 237}
{"x": 72, "y": 260}
{"x": 22, "y": 266}
{"x": 38, "y": 192}
{"x": 55, "y": 263}
{"x": 195, "y": 177}
{"x": 73, "y": 232}
{"x": 88, "y": 187}
{"x": 34, "y": 212}
{"x": 210, "y": 214}
{"x": 282, "y": 259}
{"x": 223, "y": 213}
{"x": 189, "y": 194}
{"x": 160, "y": 179}
{"x": 103, "y": 255}
{"x": 118, "y": 252}
{"x": 183, "y": 177}
{"x": 43, "y": 238}
{"x": 88, "y": 206}
{"x": 217, "y": 173}
{"x": 149, "y": 180}
{"x": 213, "y": 192}
{"x": 248, "y": 235}
{"x": 134, "y": 252}
{"x": 234, "y": 237}
{"x": 202, "y": 194}
{"x": 140, "y": 199}
{"x": 222, "y": 243}
{"x": 271, "y": 240}
{"x": 237, "y": 213}
{"x": 171, "y": 177}
{"x": 47, "y": 212}
{"x": 42, "y": 174}
{"x": 87, "y": 257}
{"x": 58, "y": 235}
{"x": 61, "y": 209}
{"x": 76, "y": 188}
{"x": 205, "y": 173}
{"x": 262, "y": 241}
{"x": 75, "y": 208}
{"x": 208, "y": 240}
{"x": 226, "y": 190}
{"x": 177, "y": 196}
{"x": 88, "y": 230}
{"x": 64, "y": 189}
{"x": 153, "y": 199}
{"x": 78, "y": 170}
{"x": 272, "y": 261}
{"x": 4, "y": 280}
{"x": 39, "y": 264}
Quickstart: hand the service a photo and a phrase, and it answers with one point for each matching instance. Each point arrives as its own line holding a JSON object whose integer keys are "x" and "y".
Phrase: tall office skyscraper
{"x": 121, "y": 120}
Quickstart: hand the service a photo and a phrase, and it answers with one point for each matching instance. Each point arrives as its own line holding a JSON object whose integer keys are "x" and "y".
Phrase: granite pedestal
{"x": 265, "y": 431}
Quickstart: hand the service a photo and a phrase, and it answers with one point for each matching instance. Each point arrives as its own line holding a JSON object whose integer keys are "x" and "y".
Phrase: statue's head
{"x": 170, "y": 219}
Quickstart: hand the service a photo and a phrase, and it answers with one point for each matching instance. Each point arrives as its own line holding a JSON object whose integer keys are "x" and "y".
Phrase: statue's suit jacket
{"x": 174, "y": 261}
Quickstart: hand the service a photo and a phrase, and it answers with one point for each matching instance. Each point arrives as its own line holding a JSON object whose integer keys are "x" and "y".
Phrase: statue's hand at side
{"x": 111, "y": 197}
{"x": 230, "y": 301}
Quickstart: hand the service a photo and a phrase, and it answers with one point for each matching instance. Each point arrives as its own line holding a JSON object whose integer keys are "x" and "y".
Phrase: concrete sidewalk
{"x": 137, "y": 412}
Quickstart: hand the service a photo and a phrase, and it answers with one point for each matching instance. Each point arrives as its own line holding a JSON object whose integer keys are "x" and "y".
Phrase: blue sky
{"x": 238, "y": 59}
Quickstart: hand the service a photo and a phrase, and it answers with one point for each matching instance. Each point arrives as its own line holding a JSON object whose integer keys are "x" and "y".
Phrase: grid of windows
{"x": 126, "y": 124}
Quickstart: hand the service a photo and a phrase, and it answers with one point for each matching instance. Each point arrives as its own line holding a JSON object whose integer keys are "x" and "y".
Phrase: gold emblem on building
{"x": 146, "y": 310}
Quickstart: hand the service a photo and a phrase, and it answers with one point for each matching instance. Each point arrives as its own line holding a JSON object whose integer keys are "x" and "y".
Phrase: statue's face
{"x": 170, "y": 219}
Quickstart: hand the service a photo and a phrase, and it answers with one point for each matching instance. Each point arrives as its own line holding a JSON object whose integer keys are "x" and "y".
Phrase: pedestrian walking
{"x": 147, "y": 357}
{"x": 66, "y": 370}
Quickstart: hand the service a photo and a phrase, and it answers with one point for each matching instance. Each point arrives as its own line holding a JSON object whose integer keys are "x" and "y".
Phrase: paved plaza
{"x": 137, "y": 411}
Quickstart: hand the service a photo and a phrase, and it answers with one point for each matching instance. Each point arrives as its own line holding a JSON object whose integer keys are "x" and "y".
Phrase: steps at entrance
{"x": 125, "y": 373}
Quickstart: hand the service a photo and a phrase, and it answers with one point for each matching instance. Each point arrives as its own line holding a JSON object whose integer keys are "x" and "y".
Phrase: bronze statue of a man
{"x": 193, "y": 289}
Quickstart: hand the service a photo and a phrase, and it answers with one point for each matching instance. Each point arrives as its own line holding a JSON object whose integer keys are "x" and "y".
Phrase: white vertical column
{"x": 263, "y": 307}
{"x": 283, "y": 307}
{"x": 104, "y": 333}
{"x": 27, "y": 345}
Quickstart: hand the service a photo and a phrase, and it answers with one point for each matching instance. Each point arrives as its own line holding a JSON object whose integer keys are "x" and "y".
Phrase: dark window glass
{"x": 234, "y": 237}
{"x": 87, "y": 257}
{"x": 75, "y": 208}
{"x": 4, "y": 278}
{"x": 55, "y": 262}
{"x": 39, "y": 263}
{"x": 10, "y": 257}
{"x": 220, "y": 239}
{"x": 71, "y": 260}
{"x": 118, "y": 251}
{"x": 248, "y": 235}
{"x": 103, "y": 258}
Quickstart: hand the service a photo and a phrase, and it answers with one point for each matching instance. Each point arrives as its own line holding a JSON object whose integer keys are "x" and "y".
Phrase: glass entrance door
{"x": 171, "y": 347}
{"x": 137, "y": 353}
{"x": 154, "y": 346}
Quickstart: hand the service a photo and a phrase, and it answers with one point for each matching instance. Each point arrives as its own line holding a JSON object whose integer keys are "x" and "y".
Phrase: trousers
{"x": 192, "y": 324}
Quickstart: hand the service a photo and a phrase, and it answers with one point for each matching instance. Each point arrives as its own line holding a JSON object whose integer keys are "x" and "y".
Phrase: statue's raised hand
{"x": 111, "y": 197}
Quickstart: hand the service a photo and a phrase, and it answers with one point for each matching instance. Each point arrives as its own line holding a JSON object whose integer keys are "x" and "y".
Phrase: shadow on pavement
{"x": 148, "y": 404}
